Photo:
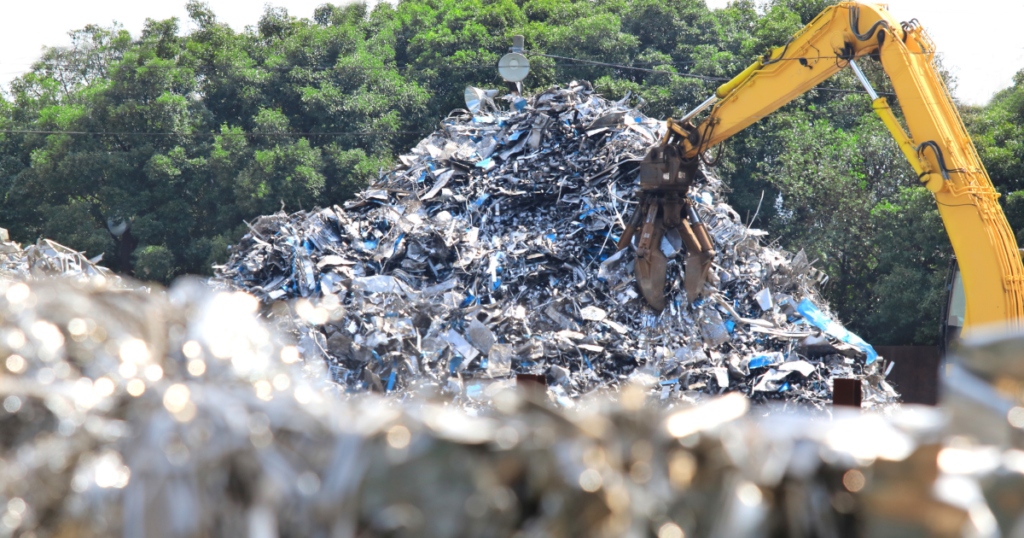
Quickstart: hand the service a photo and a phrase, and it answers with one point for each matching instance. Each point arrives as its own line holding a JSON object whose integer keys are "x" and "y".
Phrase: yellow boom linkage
{"x": 938, "y": 146}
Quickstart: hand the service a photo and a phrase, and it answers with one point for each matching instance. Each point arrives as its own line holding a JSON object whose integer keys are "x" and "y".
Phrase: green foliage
{"x": 912, "y": 253}
{"x": 998, "y": 133}
{"x": 298, "y": 112}
{"x": 232, "y": 104}
{"x": 154, "y": 263}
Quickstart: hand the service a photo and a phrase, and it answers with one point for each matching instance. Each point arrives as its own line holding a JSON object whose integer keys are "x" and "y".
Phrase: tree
{"x": 195, "y": 133}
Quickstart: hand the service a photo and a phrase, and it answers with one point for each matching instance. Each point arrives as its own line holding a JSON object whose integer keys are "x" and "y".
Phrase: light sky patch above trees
{"x": 980, "y": 40}
{"x": 28, "y": 27}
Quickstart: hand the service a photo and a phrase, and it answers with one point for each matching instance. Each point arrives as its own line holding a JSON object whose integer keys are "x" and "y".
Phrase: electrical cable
{"x": 687, "y": 75}
{"x": 388, "y": 133}
{"x": 247, "y": 134}
{"x": 957, "y": 205}
{"x": 770, "y": 61}
{"x": 534, "y": 53}
{"x": 326, "y": 67}
{"x": 284, "y": 134}
{"x": 412, "y": 67}
{"x": 630, "y": 68}
{"x": 147, "y": 133}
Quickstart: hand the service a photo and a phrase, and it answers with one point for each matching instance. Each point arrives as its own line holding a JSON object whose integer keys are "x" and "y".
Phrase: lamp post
{"x": 120, "y": 229}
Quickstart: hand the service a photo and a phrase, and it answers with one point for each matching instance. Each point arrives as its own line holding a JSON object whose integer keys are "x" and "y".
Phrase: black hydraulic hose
{"x": 938, "y": 156}
{"x": 705, "y": 143}
{"x": 769, "y": 61}
{"x": 907, "y": 26}
{"x": 855, "y": 23}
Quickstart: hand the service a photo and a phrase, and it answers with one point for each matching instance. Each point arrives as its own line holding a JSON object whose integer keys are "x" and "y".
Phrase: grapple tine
{"x": 694, "y": 276}
{"x": 634, "y": 223}
{"x": 627, "y": 236}
{"x": 703, "y": 255}
{"x": 652, "y": 269}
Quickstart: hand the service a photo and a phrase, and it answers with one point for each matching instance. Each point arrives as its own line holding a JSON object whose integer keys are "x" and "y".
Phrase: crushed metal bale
{"x": 490, "y": 251}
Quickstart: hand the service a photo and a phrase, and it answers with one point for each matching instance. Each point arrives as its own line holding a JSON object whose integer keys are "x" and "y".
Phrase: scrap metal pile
{"x": 183, "y": 414}
{"x": 47, "y": 259}
{"x": 491, "y": 251}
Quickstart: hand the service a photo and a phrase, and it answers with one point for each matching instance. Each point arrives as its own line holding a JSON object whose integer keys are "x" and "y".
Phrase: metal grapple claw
{"x": 699, "y": 258}
{"x": 651, "y": 264}
{"x": 665, "y": 178}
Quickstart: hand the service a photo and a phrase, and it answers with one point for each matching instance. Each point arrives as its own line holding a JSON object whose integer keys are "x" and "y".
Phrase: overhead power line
{"x": 689, "y": 75}
{"x": 325, "y": 67}
{"x": 247, "y": 134}
{"x": 395, "y": 133}
{"x": 629, "y": 67}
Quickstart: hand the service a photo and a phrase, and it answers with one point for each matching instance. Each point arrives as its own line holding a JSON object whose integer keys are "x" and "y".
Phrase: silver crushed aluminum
{"x": 500, "y": 229}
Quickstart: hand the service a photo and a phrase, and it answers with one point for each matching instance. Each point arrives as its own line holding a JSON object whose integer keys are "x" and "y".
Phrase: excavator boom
{"x": 937, "y": 145}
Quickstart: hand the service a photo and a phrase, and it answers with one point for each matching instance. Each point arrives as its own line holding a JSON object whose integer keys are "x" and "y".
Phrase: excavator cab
{"x": 955, "y": 308}
{"x": 952, "y": 322}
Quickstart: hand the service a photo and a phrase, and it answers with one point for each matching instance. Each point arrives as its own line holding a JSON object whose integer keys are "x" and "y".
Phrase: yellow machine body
{"x": 937, "y": 145}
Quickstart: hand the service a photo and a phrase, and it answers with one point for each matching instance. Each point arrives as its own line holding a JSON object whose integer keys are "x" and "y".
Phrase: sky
{"x": 979, "y": 40}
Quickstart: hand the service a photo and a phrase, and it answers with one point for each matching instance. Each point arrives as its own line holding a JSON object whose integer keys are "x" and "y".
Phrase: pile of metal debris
{"x": 491, "y": 251}
{"x": 48, "y": 259}
{"x": 182, "y": 414}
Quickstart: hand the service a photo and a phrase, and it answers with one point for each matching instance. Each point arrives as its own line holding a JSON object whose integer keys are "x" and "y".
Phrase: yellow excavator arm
{"x": 938, "y": 146}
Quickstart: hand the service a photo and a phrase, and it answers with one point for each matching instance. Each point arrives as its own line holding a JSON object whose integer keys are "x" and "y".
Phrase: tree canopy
{"x": 190, "y": 129}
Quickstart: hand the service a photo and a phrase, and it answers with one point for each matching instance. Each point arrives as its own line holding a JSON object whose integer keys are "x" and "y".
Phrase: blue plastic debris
{"x": 398, "y": 243}
{"x": 815, "y": 317}
{"x": 480, "y": 201}
{"x": 763, "y": 360}
{"x": 391, "y": 380}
